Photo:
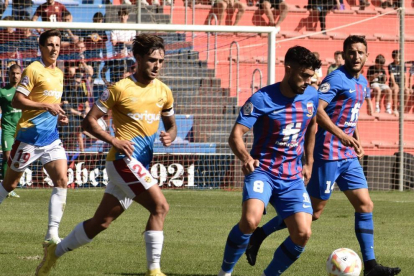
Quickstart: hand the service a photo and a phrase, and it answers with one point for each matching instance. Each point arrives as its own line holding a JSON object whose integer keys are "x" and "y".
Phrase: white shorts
{"x": 128, "y": 178}
{"x": 23, "y": 154}
{"x": 381, "y": 86}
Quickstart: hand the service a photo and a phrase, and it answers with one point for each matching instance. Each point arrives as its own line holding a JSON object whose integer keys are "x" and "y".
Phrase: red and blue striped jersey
{"x": 345, "y": 95}
{"x": 279, "y": 126}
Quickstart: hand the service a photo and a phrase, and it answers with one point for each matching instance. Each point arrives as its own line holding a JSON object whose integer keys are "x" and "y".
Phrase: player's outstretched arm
{"x": 309, "y": 147}
{"x": 21, "y": 101}
{"x": 239, "y": 148}
{"x": 326, "y": 123}
{"x": 90, "y": 124}
{"x": 168, "y": 136}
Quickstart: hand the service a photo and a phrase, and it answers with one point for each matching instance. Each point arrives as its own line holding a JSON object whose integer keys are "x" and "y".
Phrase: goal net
{"x": 212, "y": 70}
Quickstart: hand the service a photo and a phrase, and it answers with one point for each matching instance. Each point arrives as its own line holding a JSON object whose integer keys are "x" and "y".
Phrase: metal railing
{"x": 237, "y": 67}
{"x": 261, "y": 77}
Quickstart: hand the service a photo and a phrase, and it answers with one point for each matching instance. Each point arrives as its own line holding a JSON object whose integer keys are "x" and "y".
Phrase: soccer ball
{"x": 343, "y": 262}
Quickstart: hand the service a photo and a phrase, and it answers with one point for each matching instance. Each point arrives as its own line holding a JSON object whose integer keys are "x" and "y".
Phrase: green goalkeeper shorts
{"x": 7, "y": 140}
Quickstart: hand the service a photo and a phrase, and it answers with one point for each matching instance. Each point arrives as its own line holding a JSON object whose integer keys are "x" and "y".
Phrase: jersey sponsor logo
{"x": 324, "y": 87}
{"x": 8, "y": 95}
{"x": 309, "y": 107}
{"x": 25, "y": 81}
{"x": 247, "y": 108}
{"x": 290, "y": 132}
{"x": 105, "y": 95}
{"x": 53, "y": 93}
{"x": 149, "y": 117}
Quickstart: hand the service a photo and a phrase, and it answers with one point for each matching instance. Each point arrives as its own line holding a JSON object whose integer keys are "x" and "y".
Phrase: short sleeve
{"x": 330, "y": 87}
{"x": 38, "y": 11}
{"x": 27, "y": 82}
{"x": 251, "y": 110}
{"x": 167, "y": 109}
{"x": 107, "y": 99}
{"x": 63, "y": 7}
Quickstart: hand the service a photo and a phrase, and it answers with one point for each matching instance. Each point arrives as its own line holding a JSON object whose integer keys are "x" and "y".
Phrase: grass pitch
{"x": 196, "y": 230}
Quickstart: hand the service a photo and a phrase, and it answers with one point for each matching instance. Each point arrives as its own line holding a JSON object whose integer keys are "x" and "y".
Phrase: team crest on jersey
{"x": 248, "y": 108}
{"x": 25, "y": 80}
{"x": 309, "y": 107}
{"x": 148, "y": 179}
{"x": 16, "y": 165}
{"x": 160, "y": 103}
{"x": 325, "y": 87}
{"x": 105, "y": 95}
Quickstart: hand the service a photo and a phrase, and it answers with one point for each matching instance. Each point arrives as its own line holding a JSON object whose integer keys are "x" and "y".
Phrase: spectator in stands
{"x": 76, "y": 106}
{"x": 95, "y": 43}
{"x": 370, "y": 108}
{"x": 68, "y": 38}
{"x": 220, "y": 6}
{"x": 387, "y": 4}
{"x": 317, "y": 77}
{"x": 377, "y": 78}
{"x": 268, "y": 6}
{"x": 3, "y": 7}
{"x": 411, "y": 86}
{"x": 122, "y": 43}
{"x": 122, "y": 39}
{"x": 339, "y": 61}
{"x": 363, "y": 4}
{"x": 50, "y": 11}
{"x": 320, "y": 8}
{"x": 9, "y": 39}
{"x": 394, "y": 71}
{"x": 22, "y": 9}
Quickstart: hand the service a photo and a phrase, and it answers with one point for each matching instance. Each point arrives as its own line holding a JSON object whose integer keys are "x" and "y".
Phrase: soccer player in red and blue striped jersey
{"x": 337, "y": 149}
{"x": 283, "y": 119}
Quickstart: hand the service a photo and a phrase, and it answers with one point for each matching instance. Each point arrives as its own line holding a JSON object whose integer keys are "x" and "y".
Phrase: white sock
{"x": 376, "y": 105}
{"x": 74, "y": 240}
{"x": 223, "y": 273}
{"x": 153, "y": 244}
{"x": 3, "y": 193}
{"x": 388, "y": 106}
{"x": 57, "y": 205}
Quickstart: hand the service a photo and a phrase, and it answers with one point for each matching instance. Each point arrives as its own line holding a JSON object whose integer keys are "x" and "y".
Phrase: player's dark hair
{"x": 380, "y": 59}
{"x": 146, "y": 44}
{"x": 352, "y": 39}
{"x": 66, "y": 13}
{"x": 395, "y": 53}
{"x": 337, "y": 53}
{"x": 98, "y": 16}
{"x": 14, "y": 66}
{"x": 123, "y": 11}
{"x": 49, "y": 33}
{"x": 302, "y": 57}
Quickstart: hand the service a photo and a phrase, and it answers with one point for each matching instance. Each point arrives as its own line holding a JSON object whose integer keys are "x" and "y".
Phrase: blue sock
{"x": 286, "y": 254}
{"x": 235, "y": 247}
{"x": 273, "y": 225}
{"x": 364, "y": 230}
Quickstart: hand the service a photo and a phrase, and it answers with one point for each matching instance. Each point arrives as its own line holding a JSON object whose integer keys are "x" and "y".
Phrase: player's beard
{"x": 296, "y": 89}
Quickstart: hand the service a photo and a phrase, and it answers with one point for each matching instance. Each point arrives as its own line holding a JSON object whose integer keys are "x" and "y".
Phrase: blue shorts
{"x": 288, "y": 197}
{"x": 347, "y": 174}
